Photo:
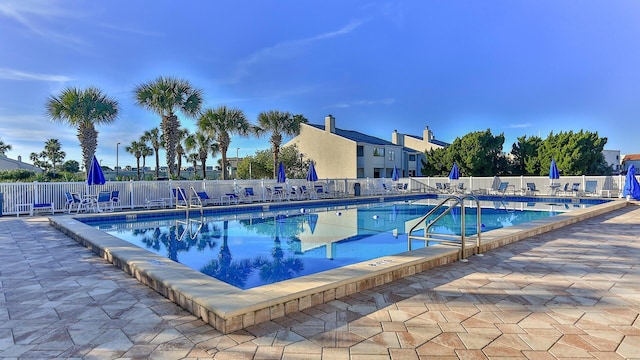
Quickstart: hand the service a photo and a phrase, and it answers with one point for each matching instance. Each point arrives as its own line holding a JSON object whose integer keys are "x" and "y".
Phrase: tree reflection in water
{"x": 234, "y": 272}
{"x": 280, "y": 267}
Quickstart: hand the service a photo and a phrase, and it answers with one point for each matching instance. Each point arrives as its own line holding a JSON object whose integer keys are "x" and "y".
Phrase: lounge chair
{"x": 247, "y": 195}
{"x": 72, "y": 199}
{"x": 320, "y": 192}
{"x": 460, "y": 189}
{"x": 230, "y": 198}
{"x": 104, "y": 199}
{"x": 531, "y": 189}
{"x": 205, "y": 199}
{"x": 115, "y": 199}
{"x": 180, "y": 197}
{"x": 277, "y": 192}
{"x": 590, "y": 187}
{"x": 503, "y": 188}
{"x": 575, "y": 189}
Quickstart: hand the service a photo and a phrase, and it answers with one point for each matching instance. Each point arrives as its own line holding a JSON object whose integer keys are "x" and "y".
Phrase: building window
{"x": 412, "y": 157}
{"x": 377, "y": 173}
{"x": 378, "y": 151}
{"x": 360, "y": 151}
{"x": 392, "y": 155}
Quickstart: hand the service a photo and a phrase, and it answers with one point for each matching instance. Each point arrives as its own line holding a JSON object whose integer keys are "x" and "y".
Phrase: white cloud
{"x": 12, "y": 74}
{"x": 40, "y": 18}
{"x": 519, "y": 126}
{"x": 369, "y": 102}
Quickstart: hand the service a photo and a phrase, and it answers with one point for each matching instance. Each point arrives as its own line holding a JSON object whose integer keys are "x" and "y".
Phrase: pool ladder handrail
{"x": 191, "y": 201}
{"x": 457, "y": 201}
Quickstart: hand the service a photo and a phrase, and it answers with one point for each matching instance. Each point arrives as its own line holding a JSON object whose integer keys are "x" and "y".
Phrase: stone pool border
{"x": 229, "y": 309}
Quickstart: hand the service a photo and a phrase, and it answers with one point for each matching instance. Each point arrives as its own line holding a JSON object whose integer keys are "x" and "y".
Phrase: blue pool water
{"x": 250, "y": 249}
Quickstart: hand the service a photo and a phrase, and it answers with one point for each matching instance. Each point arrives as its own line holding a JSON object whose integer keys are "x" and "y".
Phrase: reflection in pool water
{"x": 248, "y": 250}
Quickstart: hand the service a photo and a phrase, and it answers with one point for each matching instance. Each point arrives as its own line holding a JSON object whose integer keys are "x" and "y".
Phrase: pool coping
{"x": 229, "y": 309}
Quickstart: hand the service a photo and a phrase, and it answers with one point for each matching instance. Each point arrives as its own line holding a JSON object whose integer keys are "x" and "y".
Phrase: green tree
{"x": 180, "y": 149}
{"x": 53, "y": 152}
{"x": 145, "y": 151}
{"x": 202, "y": 145}
{"x": 437, "y": 162}
{"x": 279, "y": 124}
{"x": 525, "y": 155}
{"x": 193, "y": 158}
{"x": 222, "y": 122}
{"x": 153, "y": 137}
{"x": 575, "y": 153}
{"x": 477, "y": 153}
{"x": 166, "y": 96}
{"x": 83, "y": 109}
{"x": 261, "y": 164}
{"x": 70, "y": 166}
{"x": 135, "y": 149}
{"x": 4, "y": 148}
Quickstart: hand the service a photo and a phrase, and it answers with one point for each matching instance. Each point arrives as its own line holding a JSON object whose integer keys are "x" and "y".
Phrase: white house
{"x": 11, "y": 164}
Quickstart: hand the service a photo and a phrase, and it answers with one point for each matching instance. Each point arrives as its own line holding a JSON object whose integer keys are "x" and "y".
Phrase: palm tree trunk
{"x": 138, "y": 166}
{"x": 170, "y": 125}
{"x": 88, "y": 137}
{"x": 204, "y": 168}
{"x": 157, "y": 162}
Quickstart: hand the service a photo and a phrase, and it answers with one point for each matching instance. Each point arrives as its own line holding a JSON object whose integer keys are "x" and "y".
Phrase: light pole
{"x": 237, "y": 161}
{"x": 117, "y": 166}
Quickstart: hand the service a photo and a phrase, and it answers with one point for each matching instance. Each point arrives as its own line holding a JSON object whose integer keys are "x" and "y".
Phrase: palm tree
{"x": 193, "y": 158}
{"x": 180, "y": 147}
{"x": 53, "y": 152}
{"x": 278, "y": 123}
{"x": 153, "y": 137}
{"x": 145, "y": 151}
{"x": 4, "y": 148}
{"x": 83, "y": 109}
{"x": 136, "y": 150}
{"x": 202, "y": 144}
{"x": 165, "y": 96}
{"x": 220, "y": 124}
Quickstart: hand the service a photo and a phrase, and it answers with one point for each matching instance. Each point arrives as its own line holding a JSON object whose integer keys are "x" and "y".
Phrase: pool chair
{"x": 180, "y": 197}
{"x": 247, "y": 195}
{"x": 530, "y": 189}
{"x": 205, "y": 199}
{"x": 230, "y": 198}
{"x": 276, "y": 193}
{"x": 439, "y": 187}
{"x": 304, "y": 193}
{"x": 72, "y": 199}
{"x": 115, "y": 199}
{"x": 320, "y": 193}
{"x": 590, "y": 187}
{"x": 575, "y": 189}
{"x": 609, "y": 188}
{"x": 503, "y": 188}
{"x": 103, "y": 202}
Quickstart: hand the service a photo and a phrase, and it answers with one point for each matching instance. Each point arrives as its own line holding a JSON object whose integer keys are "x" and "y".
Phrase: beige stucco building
{"x": 340, "y": 153}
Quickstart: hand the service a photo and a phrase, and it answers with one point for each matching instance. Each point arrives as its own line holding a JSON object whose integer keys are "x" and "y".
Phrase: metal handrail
{"x": 457, "y": 201}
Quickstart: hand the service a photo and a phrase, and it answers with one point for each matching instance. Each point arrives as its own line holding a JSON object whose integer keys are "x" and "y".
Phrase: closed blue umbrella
{"x": 455, "y": 173}
{"x": 631, "y": 186}
{"x": 553, "y": 170}
{"x": 394, "y": 175}
{"x": 95, "y": 176}
{"x": 311, "y": 174}
{"x": 281, "y": 176}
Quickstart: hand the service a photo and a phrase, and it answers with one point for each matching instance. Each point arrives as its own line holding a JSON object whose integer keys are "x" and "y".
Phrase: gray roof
{"x": 433, "y": 141}
{"x": 362, "y": 138}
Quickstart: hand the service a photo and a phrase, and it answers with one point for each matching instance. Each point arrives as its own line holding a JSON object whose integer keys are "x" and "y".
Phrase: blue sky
{"x": 516, "y": 67}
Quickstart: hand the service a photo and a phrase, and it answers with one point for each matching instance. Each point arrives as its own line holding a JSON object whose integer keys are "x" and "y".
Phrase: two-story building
{"x": 11, "y": 164}
{"x": 340, "y": 153}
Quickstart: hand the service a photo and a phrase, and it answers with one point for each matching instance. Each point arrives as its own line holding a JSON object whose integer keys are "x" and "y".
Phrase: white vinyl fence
{"x": 137, "y": 194}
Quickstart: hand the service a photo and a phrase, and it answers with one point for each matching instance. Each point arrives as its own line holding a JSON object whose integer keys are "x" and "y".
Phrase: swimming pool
{"x": 252, "y": 247}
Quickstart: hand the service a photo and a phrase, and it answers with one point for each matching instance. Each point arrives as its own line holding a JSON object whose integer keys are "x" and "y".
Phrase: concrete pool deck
{"x": 547, "y": 296}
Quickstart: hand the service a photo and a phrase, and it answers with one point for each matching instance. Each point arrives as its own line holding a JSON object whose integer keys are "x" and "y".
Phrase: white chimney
{"x": 330, "y": 124}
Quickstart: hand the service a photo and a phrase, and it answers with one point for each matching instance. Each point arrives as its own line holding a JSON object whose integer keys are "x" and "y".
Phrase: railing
{"x": 136, "y": 194}
{"x": 454, "y": 202}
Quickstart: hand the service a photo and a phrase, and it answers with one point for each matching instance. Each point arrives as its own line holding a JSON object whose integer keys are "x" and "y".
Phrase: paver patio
{"x": 570, "y": 293}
